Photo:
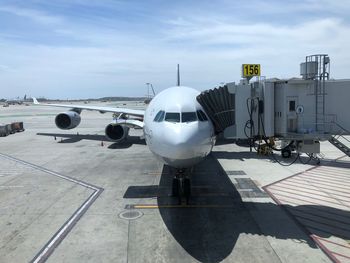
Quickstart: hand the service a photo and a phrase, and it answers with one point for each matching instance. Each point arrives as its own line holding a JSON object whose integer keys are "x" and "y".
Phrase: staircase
{"x": 341, "y": 146}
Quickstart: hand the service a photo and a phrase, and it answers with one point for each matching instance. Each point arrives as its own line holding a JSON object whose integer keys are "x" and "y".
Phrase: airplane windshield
{"x": 172, "y": 117}
{"x": 159, "y": 117}
{"x": 188, "y": 117}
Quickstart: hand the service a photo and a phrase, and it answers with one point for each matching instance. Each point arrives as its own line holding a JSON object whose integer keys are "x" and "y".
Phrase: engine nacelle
{"x": 116, "y": 132}
{"x": 67, "y": 120}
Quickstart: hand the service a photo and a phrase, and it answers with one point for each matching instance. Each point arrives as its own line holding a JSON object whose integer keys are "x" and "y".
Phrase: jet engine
{"x": 67, "y": 120}
{"x": 116, "y": 132}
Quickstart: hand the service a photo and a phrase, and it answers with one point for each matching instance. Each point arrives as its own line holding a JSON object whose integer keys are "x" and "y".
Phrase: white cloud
{"x": 35, "y": 15}
{"x": 100, "y": 59}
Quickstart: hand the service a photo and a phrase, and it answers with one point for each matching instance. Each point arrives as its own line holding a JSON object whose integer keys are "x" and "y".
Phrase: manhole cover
{"x": 130, "y": 214}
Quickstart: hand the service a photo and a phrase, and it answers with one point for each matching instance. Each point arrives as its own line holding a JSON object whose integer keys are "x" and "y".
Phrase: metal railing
{"x": 307, "y": 123}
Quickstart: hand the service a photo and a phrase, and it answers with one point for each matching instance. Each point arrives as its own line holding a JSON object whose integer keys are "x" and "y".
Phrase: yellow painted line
{"x": 180, "y": 206}
{"x": 145, "y": 206}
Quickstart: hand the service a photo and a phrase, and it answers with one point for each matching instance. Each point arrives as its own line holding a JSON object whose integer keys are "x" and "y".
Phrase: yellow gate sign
{"x": 250, "y": 70}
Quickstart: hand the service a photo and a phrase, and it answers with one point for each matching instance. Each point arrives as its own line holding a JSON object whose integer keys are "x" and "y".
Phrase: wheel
{"x": 187, "y": 188}
{"x": 175, "y": 187}
{"x": 286, "y": 153}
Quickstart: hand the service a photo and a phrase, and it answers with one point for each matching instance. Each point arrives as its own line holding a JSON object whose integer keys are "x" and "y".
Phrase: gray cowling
{"x": 67, "y": 120}
{"x": 116, "y": 132}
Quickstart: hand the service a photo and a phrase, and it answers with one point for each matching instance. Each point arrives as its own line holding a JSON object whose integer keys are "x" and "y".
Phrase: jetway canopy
{"x": 219, "y": 104}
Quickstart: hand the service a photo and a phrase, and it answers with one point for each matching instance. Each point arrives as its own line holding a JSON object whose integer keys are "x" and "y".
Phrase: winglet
{"x": 35, "y": 101}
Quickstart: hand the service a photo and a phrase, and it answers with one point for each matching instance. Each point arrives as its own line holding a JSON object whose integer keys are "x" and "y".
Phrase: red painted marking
{"x": 320, "y": 187}
{"x": 308, "y": 227}
{"x": 334, "y": 228}
{"x": 312, "y": 207}
{"x": 338, "y": 171}
{"x": 324, "y": 248}
{"x": 341, "y": 255}
{"x": 308, "y": 196}
{"x": 309, "y": 177}
{"x": 308, "y": 201}
{"x": 318, "y": 215}
{"x": 319, "y": 177}
{"x": 303, "y": 191}
{"x": 322, "y": 183}
{"x": 329, "y": 178}
{"x": 332, "y": 242}
{"x": 346, "y": 180}
{"x": 313, "y": 189}
{"x": 334, "y": 174}
{"x": 290, "y": 177}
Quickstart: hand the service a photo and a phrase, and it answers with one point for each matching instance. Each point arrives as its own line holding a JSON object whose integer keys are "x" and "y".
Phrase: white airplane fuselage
{"x": 175, "y": 129}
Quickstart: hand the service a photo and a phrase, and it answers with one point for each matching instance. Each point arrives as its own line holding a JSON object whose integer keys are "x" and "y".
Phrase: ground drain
{"x": 130, "y": 214}
{"x": 237, "y": 172}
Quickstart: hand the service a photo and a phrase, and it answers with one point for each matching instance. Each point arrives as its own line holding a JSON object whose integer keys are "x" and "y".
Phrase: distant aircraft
{"x": 176, "y": 129}
{"x": 17, "y": 101}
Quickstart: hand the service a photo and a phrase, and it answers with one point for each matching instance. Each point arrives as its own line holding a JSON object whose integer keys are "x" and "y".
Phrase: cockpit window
{"x": 172, "y": 117}
{"x": 201, "y": 115}
{"x": 188, "y": 116}
{"x": 160, "y": 116}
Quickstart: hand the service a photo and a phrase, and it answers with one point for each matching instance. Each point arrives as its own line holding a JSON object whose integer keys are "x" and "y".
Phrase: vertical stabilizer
{"x": 178, "y": 75}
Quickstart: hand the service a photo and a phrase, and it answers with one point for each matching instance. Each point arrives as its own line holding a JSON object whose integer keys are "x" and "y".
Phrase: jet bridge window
{"x": 292, "y": 105}
{"x": 201, "y": 115}
{"x": 172, "y": 117}
{"x": 188, "y": 117}
{"x": 160, "y": 116}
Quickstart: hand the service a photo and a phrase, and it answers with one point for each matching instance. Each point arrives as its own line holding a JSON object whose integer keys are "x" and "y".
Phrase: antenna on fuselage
{"x": 178, "y": 75}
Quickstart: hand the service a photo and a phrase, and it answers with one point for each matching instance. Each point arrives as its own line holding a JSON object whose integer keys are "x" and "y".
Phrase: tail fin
{"x": 35, "y": 101}
{"x": 178, "y": 75}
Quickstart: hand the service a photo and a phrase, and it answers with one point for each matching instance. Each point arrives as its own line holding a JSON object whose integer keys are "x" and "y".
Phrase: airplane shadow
{"x": 73, "y": 138}
{"x": 209, "y": 230}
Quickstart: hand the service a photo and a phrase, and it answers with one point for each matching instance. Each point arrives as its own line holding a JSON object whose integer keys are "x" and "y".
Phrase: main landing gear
{"x": 181, "y": 186}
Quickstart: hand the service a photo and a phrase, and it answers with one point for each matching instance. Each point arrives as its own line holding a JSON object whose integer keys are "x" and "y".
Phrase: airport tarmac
{"x": 72, "y": 196}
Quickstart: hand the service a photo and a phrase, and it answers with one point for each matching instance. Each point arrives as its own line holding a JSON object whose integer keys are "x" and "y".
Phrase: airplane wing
{"x": 138, "y": 113}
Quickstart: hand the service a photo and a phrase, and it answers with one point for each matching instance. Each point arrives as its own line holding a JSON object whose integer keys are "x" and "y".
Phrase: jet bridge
{"x": 219, "y": 104}
{"x": 303, "y": 110}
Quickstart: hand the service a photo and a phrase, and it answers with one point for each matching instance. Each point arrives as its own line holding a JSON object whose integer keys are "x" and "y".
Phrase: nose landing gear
{"x": 181, "y": 187}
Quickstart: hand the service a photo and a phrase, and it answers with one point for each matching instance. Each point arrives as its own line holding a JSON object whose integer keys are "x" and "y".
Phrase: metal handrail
{"x": 342, "y": 134}
{"x": 329, "y": 120}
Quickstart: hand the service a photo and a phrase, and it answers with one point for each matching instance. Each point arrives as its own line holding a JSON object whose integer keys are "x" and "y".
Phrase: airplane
{"x": 18, "y": 101}
{"x": 176, "y": 129}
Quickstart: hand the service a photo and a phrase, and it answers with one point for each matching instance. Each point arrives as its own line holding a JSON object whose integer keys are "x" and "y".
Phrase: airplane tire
{"x": 187, "y": 188}
{"x": 176, "y": 187}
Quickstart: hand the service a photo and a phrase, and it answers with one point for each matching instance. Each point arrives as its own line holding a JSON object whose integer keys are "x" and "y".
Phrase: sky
{"x": 88, "y": 49}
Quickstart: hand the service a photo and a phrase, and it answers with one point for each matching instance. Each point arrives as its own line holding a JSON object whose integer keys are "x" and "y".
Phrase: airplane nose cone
{"x": 181, "y": 145}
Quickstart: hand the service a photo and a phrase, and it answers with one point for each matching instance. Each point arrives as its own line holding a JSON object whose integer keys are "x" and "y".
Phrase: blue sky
{"x": 81, "y": 49}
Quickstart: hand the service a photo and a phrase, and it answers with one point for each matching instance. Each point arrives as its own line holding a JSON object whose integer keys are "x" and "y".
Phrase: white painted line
{"x": 10, "y": 186}
{"x": 49, "y": 172}
{"x": 62, "y": 231}
{"x": 46, "y": 251}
